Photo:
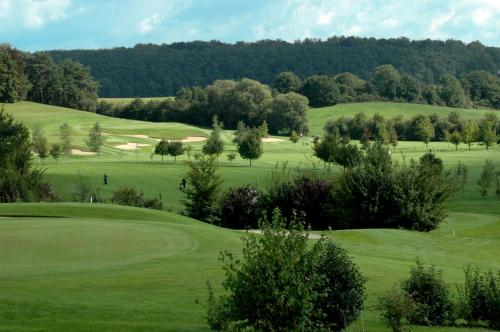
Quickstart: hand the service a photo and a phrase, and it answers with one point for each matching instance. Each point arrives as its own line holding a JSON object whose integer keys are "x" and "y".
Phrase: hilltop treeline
{"x": 160, "y": 70}
{"x": 36, "y": 77}
{"x": 284, "y": 105}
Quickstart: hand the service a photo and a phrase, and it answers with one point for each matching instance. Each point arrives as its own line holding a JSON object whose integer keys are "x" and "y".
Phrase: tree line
{"x": 36, "y": 77}
{"x": 148, "y": 70}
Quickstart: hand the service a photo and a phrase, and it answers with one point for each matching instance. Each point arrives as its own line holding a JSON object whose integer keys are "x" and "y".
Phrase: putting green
{"x": 32, "y": 246}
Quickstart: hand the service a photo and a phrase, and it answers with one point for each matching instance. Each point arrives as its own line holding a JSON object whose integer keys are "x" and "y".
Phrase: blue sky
{"x": 66, "y": 24}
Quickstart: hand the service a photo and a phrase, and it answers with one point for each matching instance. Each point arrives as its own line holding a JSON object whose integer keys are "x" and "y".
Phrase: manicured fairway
{"x": 99, "y": 267}
{"x": 82, "y": 267}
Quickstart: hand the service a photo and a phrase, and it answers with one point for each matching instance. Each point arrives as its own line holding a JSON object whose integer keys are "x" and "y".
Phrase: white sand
{"x": 131, "y": 146}
{"x": 191, "y": 139}
{"x": 272, "y": 140}
{"x": 312, "y": 236}
{"x": 77, "y": 152}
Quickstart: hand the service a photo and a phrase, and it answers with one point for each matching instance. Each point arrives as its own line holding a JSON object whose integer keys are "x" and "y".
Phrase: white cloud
{"x": 325, "y": 18}
{"x": 481, "y": 16}
{"x": 390, "y": 23}
{"x": 148, "y": 23}
{"x": 39, "y": 12}
{"x": 4, "y": 7}
{"x": 441, "y": 20}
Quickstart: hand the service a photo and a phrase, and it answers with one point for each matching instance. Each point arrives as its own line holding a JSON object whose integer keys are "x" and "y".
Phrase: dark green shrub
{"x": 131, "y": 197}
{"x": 396, "y": 306}
{"x": 239, "y": 208}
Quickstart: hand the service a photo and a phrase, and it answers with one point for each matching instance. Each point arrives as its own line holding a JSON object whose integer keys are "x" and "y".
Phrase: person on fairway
{"x": 105, "y": 179}
{"x": 182, "y": 185}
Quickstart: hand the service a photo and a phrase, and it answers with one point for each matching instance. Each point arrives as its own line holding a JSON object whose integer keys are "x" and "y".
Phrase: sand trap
{"x": 77, "y": 152}
{"x": 192, "y": 139}
{"x": 272, "y": 140}
{"x": 131, "y": 146}
{"x": 312, "y": 236}
{"x": 139, "y": 136}
{"x": 189, "y": 139}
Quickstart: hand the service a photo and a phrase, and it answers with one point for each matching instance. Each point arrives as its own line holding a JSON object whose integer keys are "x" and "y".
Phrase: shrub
{"x": 396, "y": 306}
{"x": 479, "y": 299}
{"x": 430, "y": 295}
{"x": 131, "y": 197}
{"x": 281, "y": 285}
{"x": 238, "y": 208}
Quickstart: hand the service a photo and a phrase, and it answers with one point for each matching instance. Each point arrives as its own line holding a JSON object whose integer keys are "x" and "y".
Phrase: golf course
{"x": 87, "y": 267}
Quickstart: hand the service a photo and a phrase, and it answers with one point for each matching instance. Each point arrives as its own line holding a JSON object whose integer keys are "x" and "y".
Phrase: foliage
{"x": 294, "y": 137}
{"x": 250, "y": 144}
{"x": 486, "y": 178}
{"x": 289, "y": 113}
{"x": 395, "y": 306}
{"x": 96, "y": 139}
{"x": 131, "y": 197}
{"x": 469, "y": 132}
{"x": 387, "y": 81}
{"x": 231, "y": 156}
{"x": 204, "y": 188}
{"x": 426, "y": 288}
{"x": 321, "y": 90}
{"x": 40, "y": 144}
{"x": 238, "y": 208}
{"x": 286, "y": 82}
{"x": 214, "y": 146}
{"x": 175, "y": 148}
{"x": 65, "y": 137}
{"x": 282, "y": 285}
{"x": 9, "y": 78}
{"x": 161, "y": 148}
{"x": 56, "y": 151}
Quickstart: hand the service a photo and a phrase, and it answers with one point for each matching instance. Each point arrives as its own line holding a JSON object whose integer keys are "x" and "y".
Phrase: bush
{"x": 396, "y": 306}
{"x": 431, "y": 296}
{"x": 131, "y": 197}
{"x": 479, "y": 299}
{"x": 281, "y": 285}
{"x": 238, "y": 208}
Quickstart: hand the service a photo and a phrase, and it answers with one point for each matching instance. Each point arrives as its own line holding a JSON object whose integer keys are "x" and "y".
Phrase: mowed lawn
{"x": 82, "y": 267}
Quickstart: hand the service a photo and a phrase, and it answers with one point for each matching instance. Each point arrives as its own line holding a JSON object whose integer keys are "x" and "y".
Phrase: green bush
{"x": 396, "y": 306}
{"x": 131, "y": 197}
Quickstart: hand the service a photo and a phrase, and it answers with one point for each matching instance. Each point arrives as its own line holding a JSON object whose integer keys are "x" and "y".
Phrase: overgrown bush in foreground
{"x": 282, "y": 284}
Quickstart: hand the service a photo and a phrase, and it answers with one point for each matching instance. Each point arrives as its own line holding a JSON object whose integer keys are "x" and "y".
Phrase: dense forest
{"x": 161, "y": 70}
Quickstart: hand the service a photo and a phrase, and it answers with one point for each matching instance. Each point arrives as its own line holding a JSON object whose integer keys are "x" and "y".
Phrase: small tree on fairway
{"x": 231, "y": 156}
{"x": 40, "y": 145}
{"x": 189, "y": 151}
{"x": 204, "y": 188}
{"x": 250, "y": 145}
{"x": 294, "y": 138}
{"x": 487, "y": 176}
{"x": 65, "y": 137}
{"x": 488, "y": 133}
{"x": 214, "y": 146}
{"x": 469, "y": 132}
{"x": 162, "y": 148}
{"x": 425, "y": 130}
{"x": 175, "y": 149}
{"x": 56, "y": 151}
{"x": 455, "y": 139}
{"x": 96, "y": 139}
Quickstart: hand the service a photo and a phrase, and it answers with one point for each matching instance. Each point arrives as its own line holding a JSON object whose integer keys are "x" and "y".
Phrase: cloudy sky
{"x": 65, "y": 24}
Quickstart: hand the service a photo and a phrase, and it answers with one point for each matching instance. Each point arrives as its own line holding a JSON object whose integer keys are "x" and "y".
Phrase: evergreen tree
{"x": 214, "y": 146}
{"x": 56, "y": 151}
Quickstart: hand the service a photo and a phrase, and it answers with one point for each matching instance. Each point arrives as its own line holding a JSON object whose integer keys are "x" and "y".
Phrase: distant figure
{"x": 105, "y": 178}
{"x": 182, "y": 185}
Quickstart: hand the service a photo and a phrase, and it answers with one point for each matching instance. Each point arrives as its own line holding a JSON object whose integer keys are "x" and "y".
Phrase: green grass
{"x": 85, "y": 267}
{"x": 128, "y": 100}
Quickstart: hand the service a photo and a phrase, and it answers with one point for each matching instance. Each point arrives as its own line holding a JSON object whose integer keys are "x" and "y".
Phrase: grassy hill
{"x": 87, "y": 267}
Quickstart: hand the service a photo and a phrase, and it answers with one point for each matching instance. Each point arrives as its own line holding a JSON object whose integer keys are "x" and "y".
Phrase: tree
{"x": 174, "y": 148}
{"x": 56, "y": 151}
{"x": 387, "y": 80}
{"x": 425, "y": 129}
{"x": 289, "y": 112}
{"x": 455, "y": 139}
{"x": 282, "y": 284}
{"x": 250, "y": 146}
{"x": 488, "y": 133}
{"x": 451, "y": 91}
{"x": 40, "y": 145}
{"x": 294, "y": 138}
{"x": 189, "y": 151}
{"x": 486, "y": 178}
{"x": 96, "y": 139}
{"x": 204, "y": 188}
{"x": 65, "y": 137}
{"x": 214, "y": 146}
{"x": 286, "y": 82}
{"x": 9, "y": 78}
{"x": 231, "y": 156}
{"x": 162, "y": 148}
{"x": 409, "y": 89}
{"x": 469, "y": 132}
{"x": 321, "y": 90}
{"x": 331, "y": 149}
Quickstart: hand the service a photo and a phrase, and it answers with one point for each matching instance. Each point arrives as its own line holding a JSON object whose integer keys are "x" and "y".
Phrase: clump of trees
{"x": 19, "y": 181}
{"x": 36, "y": 77}
{"x": 425, "y": 299}
{"x": 131, "y": 197}
{"x": 172, "y": 148}
{"x": 421, "y": 127}
{"x": 281, "y": 284}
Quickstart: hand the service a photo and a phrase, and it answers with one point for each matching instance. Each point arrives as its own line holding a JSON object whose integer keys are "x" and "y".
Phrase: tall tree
{"x": 250, "y": 145}
{"x": 387, "y": 81}
{"x": 214, "y": 146}
{"x": 96, "y": 139}
{"x": 162, "y": 148}
{"x": 486, "y": 178}
{"x": 65, "y": 138}
{"x": 40, "y": 144}
{"x": 9, "y": 78}
{"x": 451, "y": 91}
{"x": 175, "y": 149}
{"x": 488, "y": 133}
{"x": 321, "y": 90}
{"x": 425, "y": 129}
{"x": 289, "y": 113}
{"x": 469, "y": 132}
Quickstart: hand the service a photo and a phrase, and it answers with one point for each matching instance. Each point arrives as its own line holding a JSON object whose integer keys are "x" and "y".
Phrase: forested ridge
{"x": 160, "y": 70}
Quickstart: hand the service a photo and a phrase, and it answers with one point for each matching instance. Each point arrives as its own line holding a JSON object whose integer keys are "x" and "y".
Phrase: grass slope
{"x": 100, "y": 267}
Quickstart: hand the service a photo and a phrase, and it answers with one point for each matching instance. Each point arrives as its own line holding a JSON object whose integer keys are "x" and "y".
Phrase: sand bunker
{"x": 272, "y": 140}
{"x": 189, "y": 139}
{"x": 131, "y": 146}
{"x": 192, "y": 139}
{"x": 77, "y": 152}
{"x": 312, "y": 236}
{"x": 139, "y": 136}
